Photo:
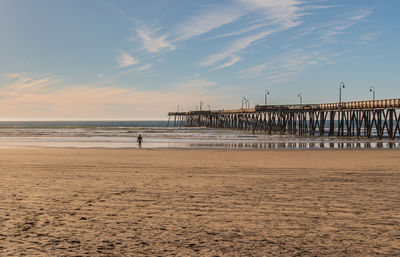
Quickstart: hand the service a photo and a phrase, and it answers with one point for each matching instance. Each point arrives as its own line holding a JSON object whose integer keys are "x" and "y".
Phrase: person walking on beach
{"x": 140, "y": 140}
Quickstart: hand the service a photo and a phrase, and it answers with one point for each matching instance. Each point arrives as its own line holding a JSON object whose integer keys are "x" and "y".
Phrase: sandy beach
{"x": 130, "y": 202}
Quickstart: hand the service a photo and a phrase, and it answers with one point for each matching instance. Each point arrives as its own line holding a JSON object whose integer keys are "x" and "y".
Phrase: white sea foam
{"x": 122, "y": 134}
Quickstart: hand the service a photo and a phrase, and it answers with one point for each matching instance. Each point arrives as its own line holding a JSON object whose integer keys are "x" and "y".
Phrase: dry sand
{"x": 116, "y": 202}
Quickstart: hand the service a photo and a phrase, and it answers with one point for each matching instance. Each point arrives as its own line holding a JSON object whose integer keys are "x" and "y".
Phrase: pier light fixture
{"x": 178, "y": 108}
{"x": 243, "y": 101}
{"x": 300, "y": 95}
{"x": 248, "y": 103}
{"x": 209, "y": 107}
{"x": 266, "y": 95}
{"x": 372, "y": 89}
{"x": 201, "y": 105}
{"x": 341, "y": 85}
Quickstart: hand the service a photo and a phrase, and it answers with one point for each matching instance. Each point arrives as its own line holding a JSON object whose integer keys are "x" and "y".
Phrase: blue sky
{"x": 140, "y": 59}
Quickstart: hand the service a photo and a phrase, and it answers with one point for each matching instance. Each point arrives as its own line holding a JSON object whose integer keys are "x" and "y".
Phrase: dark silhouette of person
{"x": 140, "y": 140}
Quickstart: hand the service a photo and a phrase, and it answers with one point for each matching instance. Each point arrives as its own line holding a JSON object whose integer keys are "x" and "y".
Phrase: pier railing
{"x": 379, "y": 118}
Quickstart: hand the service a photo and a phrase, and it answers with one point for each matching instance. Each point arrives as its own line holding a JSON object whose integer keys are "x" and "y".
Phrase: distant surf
{"x": 156, "y": 134}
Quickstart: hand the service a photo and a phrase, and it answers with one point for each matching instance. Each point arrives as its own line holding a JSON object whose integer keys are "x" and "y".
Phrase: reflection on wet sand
{"x": 297, "y": 145}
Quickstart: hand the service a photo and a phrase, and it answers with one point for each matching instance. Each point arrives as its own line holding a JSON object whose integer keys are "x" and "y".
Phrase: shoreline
{"x": 202, "y": 149}
{"x": 205, "y": 149}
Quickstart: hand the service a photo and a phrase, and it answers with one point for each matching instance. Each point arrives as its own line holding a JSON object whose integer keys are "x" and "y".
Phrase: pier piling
{"x": 379, "y": 118}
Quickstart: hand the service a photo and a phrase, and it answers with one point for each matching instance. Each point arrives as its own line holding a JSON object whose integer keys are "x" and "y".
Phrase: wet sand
{"x": 131, "y": 202}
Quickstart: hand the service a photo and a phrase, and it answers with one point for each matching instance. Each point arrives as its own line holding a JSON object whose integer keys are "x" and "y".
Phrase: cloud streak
{"x": 285, "y": 13}
{"x": 233, "y": 50}
{"x": 145, "y": 67}
{"x": 286, "y": 66}
{"x": 277, "y": 16}
{"x": 320, "y": 52}
{"x": 153, "y": 42}
{"x": 126, "y": 60}
{"x": 256, "y": 19}
{"x": 40, "y": 96}
{"x": 193, "y": 84}
{"x": 207, "y": 21}
{"x": 234, "y": 59}
{"x": 334, "y": 30}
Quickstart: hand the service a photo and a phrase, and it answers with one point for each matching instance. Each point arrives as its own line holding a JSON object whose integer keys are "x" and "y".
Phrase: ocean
{"x": 156, "y": 134}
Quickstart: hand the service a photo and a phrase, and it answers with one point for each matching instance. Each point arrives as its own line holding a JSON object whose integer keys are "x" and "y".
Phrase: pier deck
{"x": 379, "y": 118}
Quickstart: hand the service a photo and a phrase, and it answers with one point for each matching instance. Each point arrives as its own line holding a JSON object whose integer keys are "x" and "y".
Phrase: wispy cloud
{"x": 233, "y": 49}
{"x": 234, "y": 59}
{"x": 41, "y": 96}
{"x": 276, "y": 16}
{"x": 27, "y": 82}
{"x": 322, "y": 37}
{"x": 207, "y": 21}
{"x": 241, "y": 31}
{"x": 254, "y": 71}
{"x": 335, "y": 29}
{"x": 126, "y": 60}
{"x": 153, "y": 42}
{"x": 251, "y": 22}
{"x": 193, "y": 84}
{"x": 286, "y": 66}
{"x": 285, "y": 13}
{"x": 368, "y": 37}
{"x": 145, "y": 67}
{"x": 360, "y": 15}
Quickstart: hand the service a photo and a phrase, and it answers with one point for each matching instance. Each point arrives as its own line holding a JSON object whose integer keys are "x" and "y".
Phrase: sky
{"x": 138, "y": 60}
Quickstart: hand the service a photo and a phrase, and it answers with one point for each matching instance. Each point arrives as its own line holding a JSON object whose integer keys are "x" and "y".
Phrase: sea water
{"x": 156, "y": 134}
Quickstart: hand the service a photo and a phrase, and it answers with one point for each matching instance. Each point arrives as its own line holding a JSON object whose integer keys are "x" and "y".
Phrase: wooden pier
{"x": 379, "y": 118}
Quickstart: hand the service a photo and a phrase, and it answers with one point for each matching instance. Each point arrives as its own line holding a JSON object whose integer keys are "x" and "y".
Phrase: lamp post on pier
{"x": 266, "y": 96}
{"x": 300, "y": 95}
{"x": 341, "y": 85}
{"x": 201, "y": 105}
{"x": 372, "y": 89}
{"x": 243, "y": 101}
{"x": 248, "y": 103}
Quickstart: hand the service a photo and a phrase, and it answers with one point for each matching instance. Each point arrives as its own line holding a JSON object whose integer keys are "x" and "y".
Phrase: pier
{"x": 378, "y": 118}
